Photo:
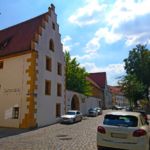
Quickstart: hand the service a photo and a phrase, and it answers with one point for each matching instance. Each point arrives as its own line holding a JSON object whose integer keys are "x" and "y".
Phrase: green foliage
{"x": 132, "y": 88}
{"x": 138, "y": 63}
{"x": 76, "y": 76}
{"x": 135, "y": 84}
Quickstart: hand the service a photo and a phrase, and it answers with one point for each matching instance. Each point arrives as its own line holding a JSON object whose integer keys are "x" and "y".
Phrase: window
{"x": 51, "y": 45}
{"x": 47, "y": 87}
{"x": 53, "y": 25}
{"x": 58, "y": 110}
{"x": 59, "y": 89}
{"x": 59, "y": 68}
{"x": 1, "y": 64}
{"x": 48, "y": 63}
{"x": 15, "y": 112}
{"x": 119, "y": 120}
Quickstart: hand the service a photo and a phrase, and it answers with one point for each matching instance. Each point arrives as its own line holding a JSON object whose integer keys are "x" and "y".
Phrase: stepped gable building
{"x": 32, "y": 81}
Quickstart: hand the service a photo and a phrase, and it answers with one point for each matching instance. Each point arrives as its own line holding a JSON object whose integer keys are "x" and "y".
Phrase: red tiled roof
{"x": 93, "y": 82}
{"x": 99, "y": 78}
{"x": 18, "y": 38}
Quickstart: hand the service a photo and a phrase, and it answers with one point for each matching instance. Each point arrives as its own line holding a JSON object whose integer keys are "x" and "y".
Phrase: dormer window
{"x": 4, "y": 43}
{"x": 51, "y": 45}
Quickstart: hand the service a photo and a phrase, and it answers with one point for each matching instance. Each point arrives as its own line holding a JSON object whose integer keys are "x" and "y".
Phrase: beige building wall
{"x": 14, "y": 88}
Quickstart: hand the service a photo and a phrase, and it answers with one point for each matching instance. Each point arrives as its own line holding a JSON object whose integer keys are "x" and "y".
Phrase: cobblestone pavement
{"x": 78, "y": 136}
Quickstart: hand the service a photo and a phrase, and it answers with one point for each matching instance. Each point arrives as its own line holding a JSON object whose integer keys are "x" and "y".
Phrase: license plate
{"x": 119, "y": 135}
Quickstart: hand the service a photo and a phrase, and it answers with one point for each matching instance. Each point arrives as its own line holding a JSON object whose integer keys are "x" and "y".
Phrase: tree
{"x": 138, "y": 64}
{"x": 76, "y": 76}
{"x": 133, "y": 89}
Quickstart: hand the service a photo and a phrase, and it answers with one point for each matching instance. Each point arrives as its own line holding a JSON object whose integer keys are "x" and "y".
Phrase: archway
{"x": 75, "y": 104}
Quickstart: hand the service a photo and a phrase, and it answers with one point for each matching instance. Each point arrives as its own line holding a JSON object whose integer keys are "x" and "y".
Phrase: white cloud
{"x": 66, "y": 39}
{"x": 84, "y": 57}
{"x": 88, "y": 14}
{"x": 113, "y": 71}
{"x": 103, "y": 33}
{"x": 66, "y": 47}
{"x": 128, "y": 20}
{"x": 68, "y": 44}
{"x": 131, "y": 19}
{"x": 127, "y": 10}
{"x": 108, "y": 35}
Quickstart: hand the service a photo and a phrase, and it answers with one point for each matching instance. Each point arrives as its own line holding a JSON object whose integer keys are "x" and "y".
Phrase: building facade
{"x": 118, "y": 97}
{"x": 32, "y": 81}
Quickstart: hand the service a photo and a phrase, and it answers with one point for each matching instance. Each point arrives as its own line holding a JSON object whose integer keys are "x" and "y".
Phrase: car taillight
{"x": 139, "y": 132}
{"x": 101, "y": 129}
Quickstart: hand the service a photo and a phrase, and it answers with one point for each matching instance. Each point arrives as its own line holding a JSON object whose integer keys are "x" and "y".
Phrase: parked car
{"x": 71, "y": 116}
{"x": 129, "y": 108}
{"x": 123, "y": 130}
{"x": 92, "y": 112}
{"x": 144, "y": 114}
{"x": 99, "y": 110}
{"x": 116, "y": 107}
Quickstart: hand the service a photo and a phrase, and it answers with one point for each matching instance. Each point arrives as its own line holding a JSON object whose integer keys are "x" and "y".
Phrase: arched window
{"x": 51, "y": 45}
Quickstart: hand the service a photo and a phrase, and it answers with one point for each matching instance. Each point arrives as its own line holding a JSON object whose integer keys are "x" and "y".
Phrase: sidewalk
{"x": 4, "y": 132}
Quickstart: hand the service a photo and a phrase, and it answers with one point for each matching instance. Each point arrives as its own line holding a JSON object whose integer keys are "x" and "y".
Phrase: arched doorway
{"x": 75, "y": 105}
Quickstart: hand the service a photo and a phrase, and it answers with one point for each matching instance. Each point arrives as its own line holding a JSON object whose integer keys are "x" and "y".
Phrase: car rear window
{"x": 70, "y": 113}
{"x": 121, "y": 120}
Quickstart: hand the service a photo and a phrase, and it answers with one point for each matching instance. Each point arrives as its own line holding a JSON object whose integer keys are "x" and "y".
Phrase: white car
{"x": 123, "y": 130}
{"x": 71, "y": 116}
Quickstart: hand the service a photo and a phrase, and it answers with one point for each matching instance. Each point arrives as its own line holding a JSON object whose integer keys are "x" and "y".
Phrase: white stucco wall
{"x": 84, "y": 101}
{"x": 13, "y": 89}
{"x": 46, "y": 104}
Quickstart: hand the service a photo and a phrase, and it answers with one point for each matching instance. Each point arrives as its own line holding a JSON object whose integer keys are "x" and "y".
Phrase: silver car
{"x": 99, "y": 110}
{"x": 71, "y": 116}
{"x": 92, "y": 112}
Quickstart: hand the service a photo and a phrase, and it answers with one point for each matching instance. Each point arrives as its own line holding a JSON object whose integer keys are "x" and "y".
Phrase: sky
{"x": 98, "y": 33}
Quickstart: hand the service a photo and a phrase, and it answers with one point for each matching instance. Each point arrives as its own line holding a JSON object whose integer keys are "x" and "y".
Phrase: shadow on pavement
{"x": 5, "y": 132}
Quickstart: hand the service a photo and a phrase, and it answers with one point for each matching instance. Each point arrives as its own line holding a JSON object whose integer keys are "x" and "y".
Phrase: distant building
{"x": 118, "y": 97}
{"x": 32, "y": 81}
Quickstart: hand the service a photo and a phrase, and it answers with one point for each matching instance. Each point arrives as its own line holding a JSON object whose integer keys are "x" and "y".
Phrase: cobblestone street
{"x": 78, "y": 136}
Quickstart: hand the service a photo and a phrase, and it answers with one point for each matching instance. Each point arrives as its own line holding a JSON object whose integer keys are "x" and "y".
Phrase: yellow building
{"x": 32, "y": 91}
